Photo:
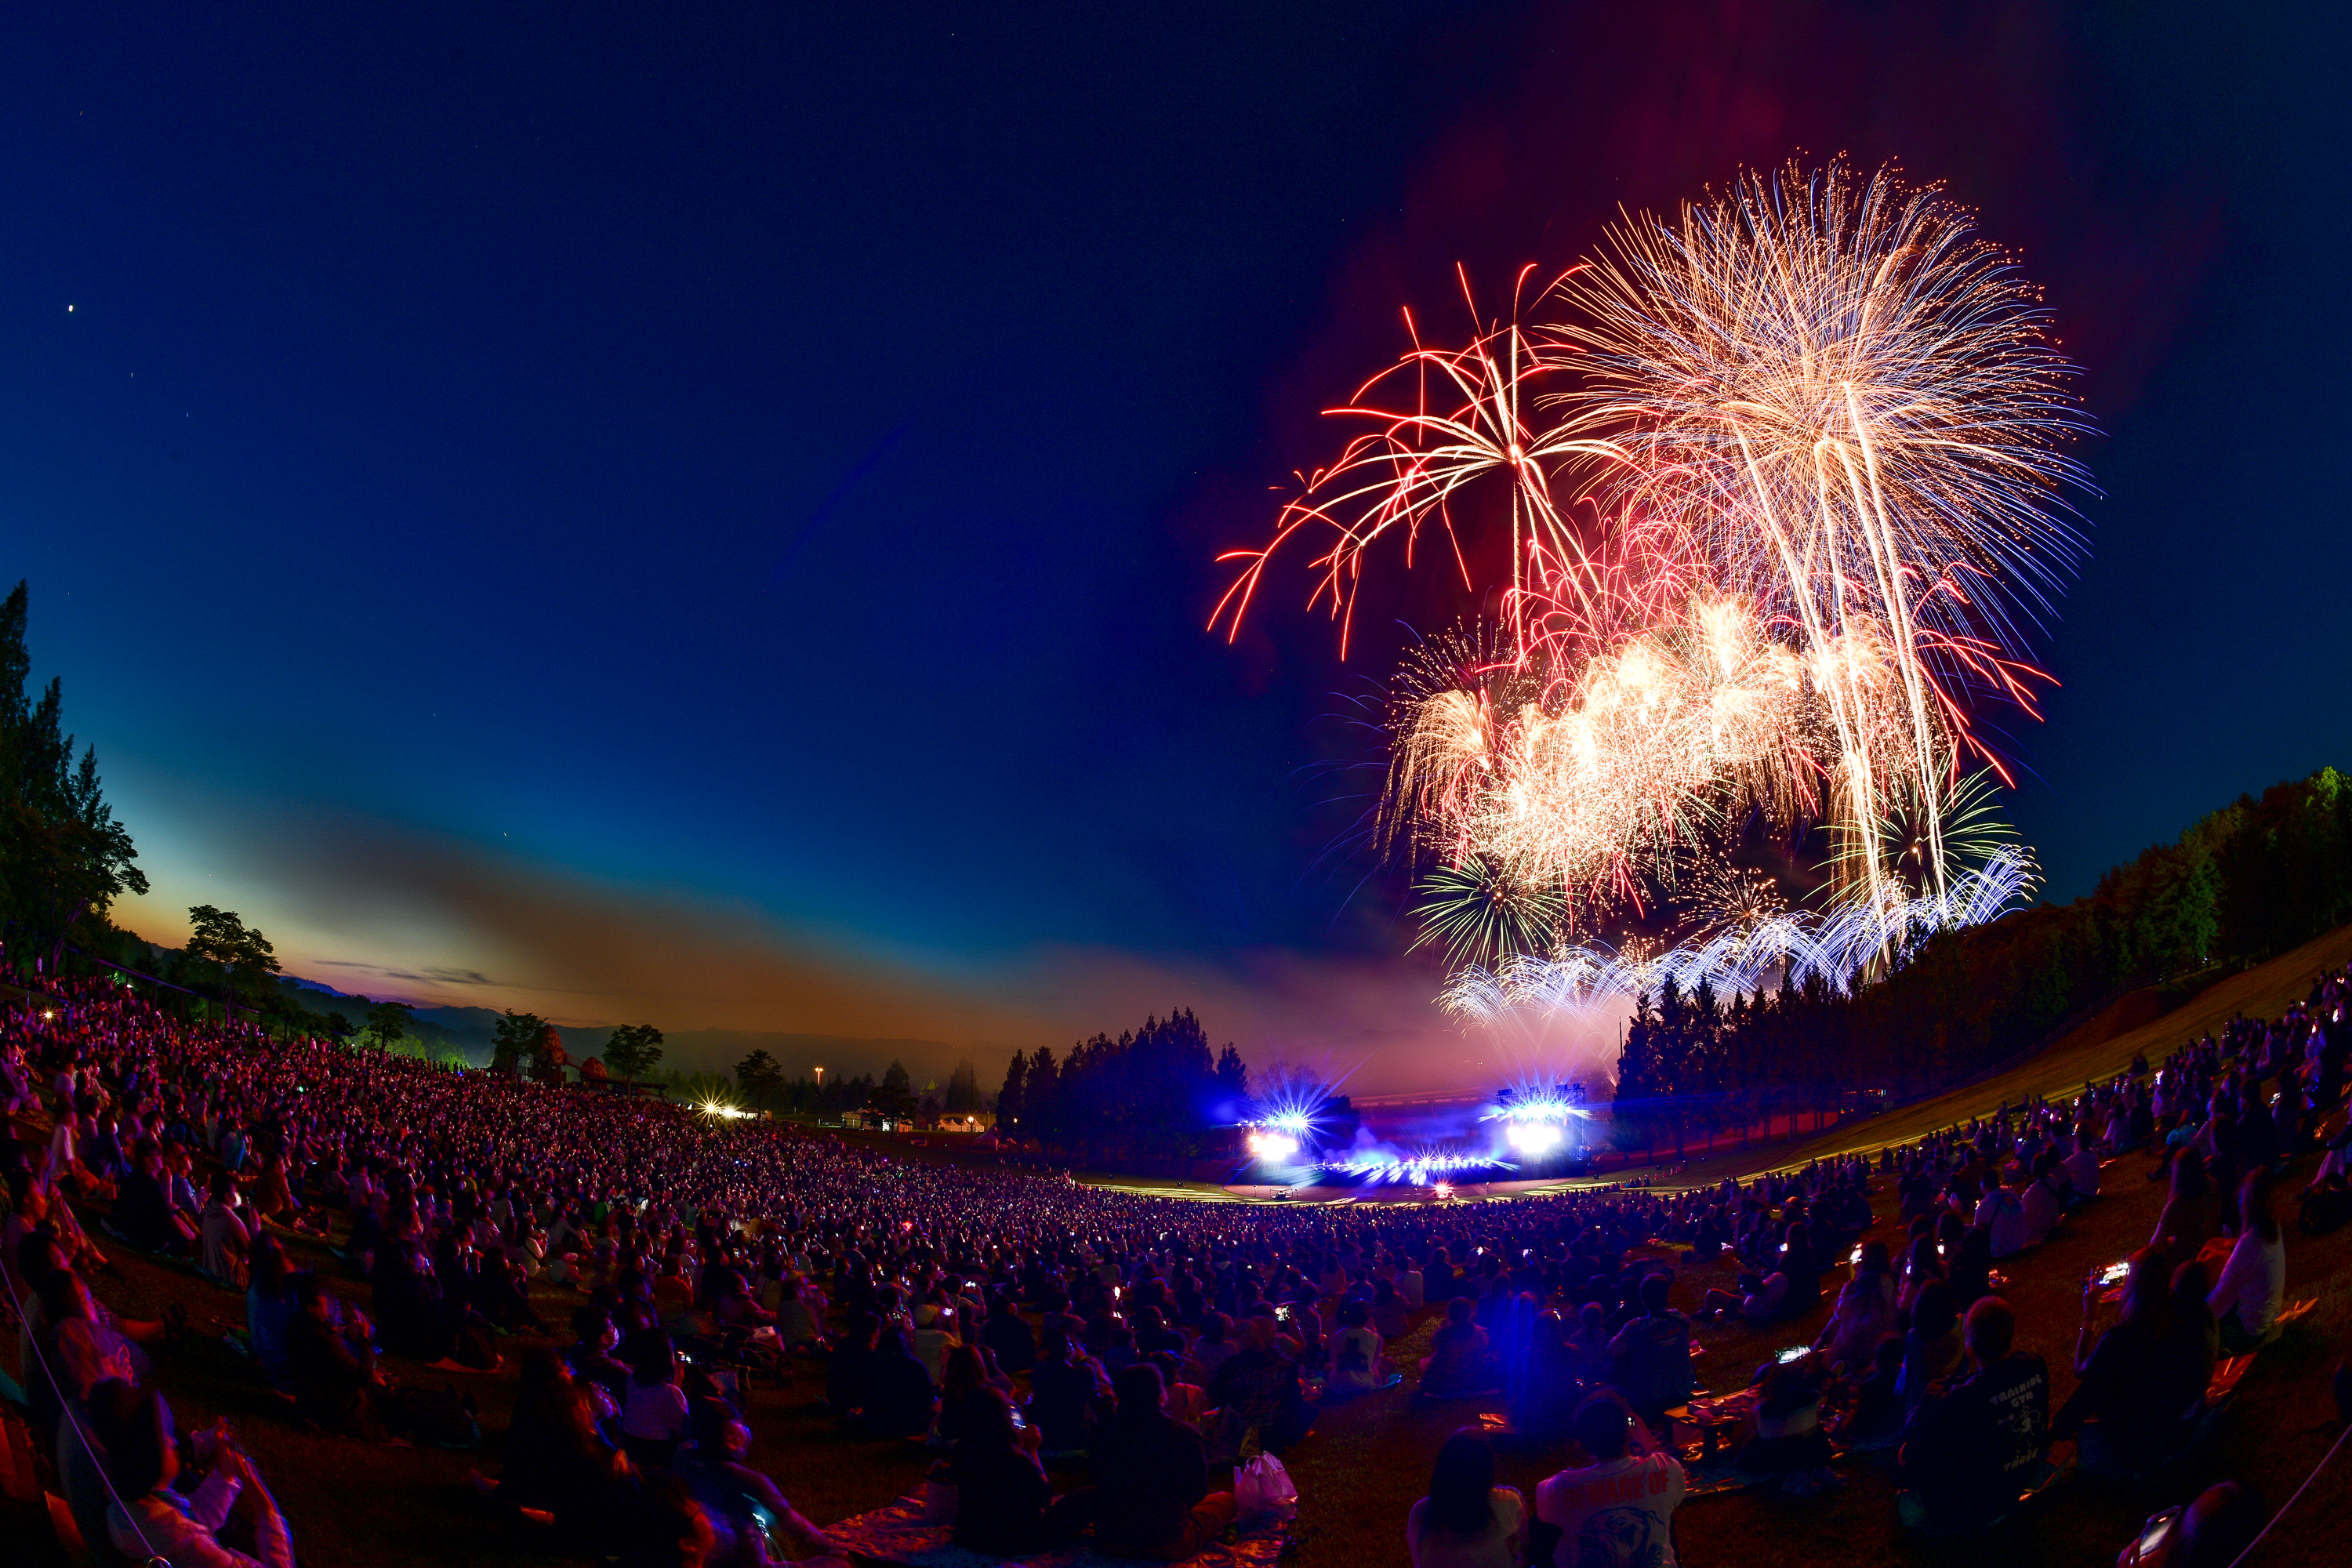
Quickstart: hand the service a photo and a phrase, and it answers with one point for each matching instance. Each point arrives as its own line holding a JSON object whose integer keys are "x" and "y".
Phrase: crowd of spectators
{"x": 1016, "y": 1320}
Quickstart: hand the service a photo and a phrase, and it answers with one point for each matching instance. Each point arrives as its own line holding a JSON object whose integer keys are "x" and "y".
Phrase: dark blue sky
{"x": 506, "y": 475}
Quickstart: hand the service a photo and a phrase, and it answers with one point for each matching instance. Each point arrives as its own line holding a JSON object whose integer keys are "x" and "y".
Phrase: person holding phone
{"x": 2136, "y": 1404}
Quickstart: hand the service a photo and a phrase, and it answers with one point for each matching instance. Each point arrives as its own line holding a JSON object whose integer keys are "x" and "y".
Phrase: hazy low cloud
{"x": 428, "y": 976}
{"x": 441, "y": 917}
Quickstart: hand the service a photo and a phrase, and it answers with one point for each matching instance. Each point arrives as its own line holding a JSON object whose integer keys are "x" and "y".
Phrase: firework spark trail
{"x": 1809, "y": 431}
{"x": 1576, "y": 785}
{"x": 1840, "y": 946}
{"x": 1404, "y": 473}
{"x": 1852, "y": 400}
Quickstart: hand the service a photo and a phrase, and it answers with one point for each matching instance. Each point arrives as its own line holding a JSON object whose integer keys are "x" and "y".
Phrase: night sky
{"x": 708, "y": 517}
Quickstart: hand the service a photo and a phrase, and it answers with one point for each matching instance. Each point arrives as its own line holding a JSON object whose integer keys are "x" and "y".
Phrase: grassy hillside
{"x": 2095, "y": 1050}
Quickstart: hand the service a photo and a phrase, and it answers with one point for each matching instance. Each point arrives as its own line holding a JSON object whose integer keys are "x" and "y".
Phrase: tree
{"x": 337, "y": 1028}
{"x": 634, "y": 1049}
{"x": 1043, "y": 1118}
{"x": 243, "y": 955}
{"x": 388, "y": 1022}
{"x": 757, "y": 1076}
{"x": 1233, "y": 1076}
{"x": 896, "y": 1097}
{"x": 963, "y": 1089}
{"x": 63, "y": 857}
{"x": 1637, "y": 1076}
{"x": 514, "y": 1037}
{"x": 1012, "y": 1099}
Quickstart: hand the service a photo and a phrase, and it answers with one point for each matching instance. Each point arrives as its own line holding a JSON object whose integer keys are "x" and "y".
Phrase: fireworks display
{"x": 1783, "y": 486}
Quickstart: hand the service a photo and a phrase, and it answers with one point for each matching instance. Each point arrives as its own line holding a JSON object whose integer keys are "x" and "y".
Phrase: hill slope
{"x": 2095, "y": 1050}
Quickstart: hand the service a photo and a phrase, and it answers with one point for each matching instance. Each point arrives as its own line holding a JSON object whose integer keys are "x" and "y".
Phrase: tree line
{"x": 64, "y": 859}
{"x": 2243, "y": 884}
{"x": 1153, "y": 1097}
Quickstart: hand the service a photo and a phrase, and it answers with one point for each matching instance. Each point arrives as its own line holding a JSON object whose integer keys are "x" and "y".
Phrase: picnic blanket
{"x": 897, "y": 1535}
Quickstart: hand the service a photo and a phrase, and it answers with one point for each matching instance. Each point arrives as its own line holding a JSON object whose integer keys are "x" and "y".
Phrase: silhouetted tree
{"x": 387, "y": 1023}
{"x": 1012, "y": 1099}
{"x": 516, "y": 1037}
{"x": 759, "y": 1077}
{"x": 63, "y": 857}
{"x": 241, "y": 955}
{"x": 634, "y": 1049}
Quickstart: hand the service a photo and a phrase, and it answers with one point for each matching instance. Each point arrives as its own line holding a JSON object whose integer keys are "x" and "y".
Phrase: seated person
{"x": 81, "y": 1362}
{"x": 335, "y": 1380}
{"x": 844, "y": 1369}
{"x": 742, "y": 1504}
{"x": 2246, "y": 1299}
{"x": 1151, "y": 1477}
{"x": 1974, "y": 1446}
{"x": 967, "y": 1372}
{"x": 1789, "y": 1440}
{"x": 2002, "y": 1214}
{"x": 1466, "y": 1520}
{"x": 1065, "y": 1386}
{"x": 2213, "y": 1531}
{"x": 1544, "y": 1400}
{"x": 653, "y": 1413}
{"x": 1620, "y": 1506}
{"x": 1875, "y": 1421}
{"x": 1649, "y": 1357}
{"x": 1258, "y": 1388}
{"x": 557, "y": 1458}
{"x": 1211, "y": 1350}
{"x": 1589, "y": 1344}
{"x": 1458, "y": 1362}
{"x": 269, "y": 1310}
{"x": 2045, "y": 1197}
{"x": 896, "y": 1398}
{"x": 1932, "y": 1348}
{"x": 229, "y": 1518}
{"x": 1356, "y": 1365}
{"x": 2083, "y": 1165}
{"x": 1865, "y": 1314}
{"x": 1188, "y": 1402}
{"x": 1007, "y": 1333}
{"x": 1760, "y": 1299}
{"x": 2140, "y": 1389}
{"x": 1004, "y": 1505}
{"x": 798, "y": 1324}
{"x": 228, "y": 1240}
{"x": 1390, "y": 1318}
{"x": 590, "y": 1359}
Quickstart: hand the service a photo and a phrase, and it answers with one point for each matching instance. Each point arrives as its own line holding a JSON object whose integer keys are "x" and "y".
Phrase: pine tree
{"x": 1637, "y": 1074}
{"x": 1233, "y": 1076}
{"x": 63, "y": 857}
{"x": 963, "y": 1089}
{"x": 1011, "y": 1101}
{"x": 1043, "y": 1119}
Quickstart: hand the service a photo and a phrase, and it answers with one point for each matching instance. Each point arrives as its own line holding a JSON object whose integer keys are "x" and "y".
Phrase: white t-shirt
{"x": 657, "y": 1412}
{"x": 1615, "y": 1514}
{"x": 1356, "y": 1359}
{"x": 1492, "y": 1548}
